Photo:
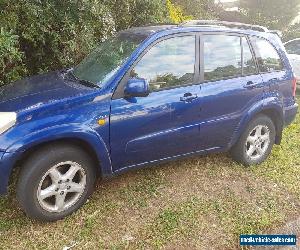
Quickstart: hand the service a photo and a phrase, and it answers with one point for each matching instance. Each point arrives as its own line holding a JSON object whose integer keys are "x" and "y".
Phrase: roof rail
{"x": 277, "y": 32}
{"x": 224, "y": 23}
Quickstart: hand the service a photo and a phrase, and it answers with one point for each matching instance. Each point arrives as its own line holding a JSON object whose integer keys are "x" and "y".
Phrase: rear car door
{"x": 272, "y": 68}
{"x": 231, "y": 84}
{"x": 165, "y": 123}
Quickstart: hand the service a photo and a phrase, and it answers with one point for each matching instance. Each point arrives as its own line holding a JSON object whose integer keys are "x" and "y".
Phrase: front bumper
{"x": 7, "y": 161}
{"x": 290, "y": 114}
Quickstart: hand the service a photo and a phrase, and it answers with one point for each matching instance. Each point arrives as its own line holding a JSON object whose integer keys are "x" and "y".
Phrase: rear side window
{"x": 267, "y": 56}
{"x": 227, "y": 56}
{"x": 222, "y": 57}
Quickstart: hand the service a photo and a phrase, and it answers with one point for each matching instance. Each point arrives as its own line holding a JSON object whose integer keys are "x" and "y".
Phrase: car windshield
{"x": 99, "y": 66}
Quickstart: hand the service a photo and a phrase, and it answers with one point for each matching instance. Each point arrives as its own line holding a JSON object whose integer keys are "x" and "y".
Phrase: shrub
{"x": 11, "y": 65}
{"x": 43, "y": 35}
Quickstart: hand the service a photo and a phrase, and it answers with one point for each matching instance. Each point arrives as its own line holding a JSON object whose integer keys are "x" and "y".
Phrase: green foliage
{"x": 11, "y": 66}
{"x": 182, "y": 10}
{"x": 292, "y": 32}
{"x": 128, "y": 13}
{"x": 275, "y": 14}
{"x": 176, "y": 14}
{"x": 198, "y": 9}
{"x": 42, "y": 35}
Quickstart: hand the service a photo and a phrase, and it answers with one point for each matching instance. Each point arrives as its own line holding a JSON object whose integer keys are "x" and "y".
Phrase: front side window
{"x": 267, "y": 56}
{"x": 169, "y": 63}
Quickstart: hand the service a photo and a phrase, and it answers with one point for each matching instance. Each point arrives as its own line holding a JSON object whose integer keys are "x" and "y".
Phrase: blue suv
{"x": 148, "y": 95}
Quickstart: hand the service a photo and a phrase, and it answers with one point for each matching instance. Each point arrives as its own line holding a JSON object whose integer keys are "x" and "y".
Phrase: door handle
{"x": 273, "y": 81}
{"x": 253, "y": 85}
{"x": 188, "y": 97}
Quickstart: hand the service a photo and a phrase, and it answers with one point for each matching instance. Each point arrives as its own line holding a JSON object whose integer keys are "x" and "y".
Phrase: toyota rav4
{"x": 147, "y": 95}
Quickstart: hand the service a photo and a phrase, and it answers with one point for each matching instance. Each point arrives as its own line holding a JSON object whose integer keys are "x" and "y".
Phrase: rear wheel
{"x": 256, "y": 143}
{"x": 55, "y": 182}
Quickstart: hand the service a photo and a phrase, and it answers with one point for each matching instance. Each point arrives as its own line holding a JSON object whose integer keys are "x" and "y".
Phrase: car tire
{"x": 55, "y": 181}
{"x": 256, "y": 142}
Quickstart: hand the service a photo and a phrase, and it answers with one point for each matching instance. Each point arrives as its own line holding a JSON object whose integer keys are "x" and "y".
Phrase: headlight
{"x": 7, "y": 120}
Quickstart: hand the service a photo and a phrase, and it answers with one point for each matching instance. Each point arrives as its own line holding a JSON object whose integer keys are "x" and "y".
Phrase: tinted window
{"x": 222, "y": 57}
{"x": 267, "y": 57}
{"x": 169, "y": 63}
{"x": 293, "y": 47}
{"x": 249, "y": 67}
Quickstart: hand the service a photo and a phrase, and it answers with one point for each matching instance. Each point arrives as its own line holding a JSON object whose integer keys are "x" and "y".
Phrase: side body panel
{"x": 223, "y": 104}
{"x": 154, "y": 127}
{"x": 78, "y": 121}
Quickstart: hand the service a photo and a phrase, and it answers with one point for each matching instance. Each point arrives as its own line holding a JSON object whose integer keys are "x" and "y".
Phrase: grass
{"x": 201, "y": 202}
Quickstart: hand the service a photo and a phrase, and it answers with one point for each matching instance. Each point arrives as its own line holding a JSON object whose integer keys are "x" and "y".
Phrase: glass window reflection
{"x": 169, "y": 63}
{"x": 222, "y": 57}
{"x": 267, "y": 57}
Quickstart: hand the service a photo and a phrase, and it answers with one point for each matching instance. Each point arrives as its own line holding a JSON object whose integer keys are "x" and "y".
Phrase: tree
{"x": 292, "y": 32}
{"x": 198, "y": 9}
{"x": 275, "y": 14}
{"x": 44, "y": 35}
{"x": 176, "y": 14}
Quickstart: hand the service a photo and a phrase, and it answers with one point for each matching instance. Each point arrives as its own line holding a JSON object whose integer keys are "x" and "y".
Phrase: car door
{"x": 165, "y": 123}
{"x": 271, "y": 67}
{"x": 231, "y": 85}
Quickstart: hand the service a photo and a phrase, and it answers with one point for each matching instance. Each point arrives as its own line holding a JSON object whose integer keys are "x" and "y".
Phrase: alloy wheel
{"x": 257, "y": 142}
{"x": 61, "y": 187}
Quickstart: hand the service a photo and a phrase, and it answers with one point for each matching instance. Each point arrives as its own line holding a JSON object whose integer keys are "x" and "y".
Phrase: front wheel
{"x": 256, "y": 143}
{"x": 55, "y": 181}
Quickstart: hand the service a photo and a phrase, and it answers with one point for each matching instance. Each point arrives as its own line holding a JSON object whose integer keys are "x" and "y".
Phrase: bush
{"x": 43, "y": 35}
{"x": 11, "y": 65}
{"x": 292, "y": 32}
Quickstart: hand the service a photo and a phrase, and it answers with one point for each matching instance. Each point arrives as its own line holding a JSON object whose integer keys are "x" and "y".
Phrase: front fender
{"x": 67, "y": 131}
{"x": 272, "y": 103}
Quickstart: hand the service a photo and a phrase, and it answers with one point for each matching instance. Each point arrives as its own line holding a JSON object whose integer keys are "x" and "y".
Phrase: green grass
{"x": 201, "y": 202}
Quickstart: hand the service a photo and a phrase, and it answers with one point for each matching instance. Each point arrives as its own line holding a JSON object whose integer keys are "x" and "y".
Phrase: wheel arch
{"x": 273, "y": 111}
{"x": 79, "y": 135}
{"x": 277, "y": 119}
{"x": 78, "y": 142}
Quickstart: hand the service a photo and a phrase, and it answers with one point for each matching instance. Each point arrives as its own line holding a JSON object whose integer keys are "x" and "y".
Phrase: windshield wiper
{"x": 81, "y": 81}
{"x": 88, "y": 83}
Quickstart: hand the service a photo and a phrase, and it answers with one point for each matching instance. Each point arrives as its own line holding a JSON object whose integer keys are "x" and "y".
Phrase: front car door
{"x": 165, "y": 123}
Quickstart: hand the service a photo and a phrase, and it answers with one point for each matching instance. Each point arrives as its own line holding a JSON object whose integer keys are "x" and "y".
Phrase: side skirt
{"x": 167, "y": 159}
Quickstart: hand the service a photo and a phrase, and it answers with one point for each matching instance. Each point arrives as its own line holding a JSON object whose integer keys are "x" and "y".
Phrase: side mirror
{"x": 137, "y": 88}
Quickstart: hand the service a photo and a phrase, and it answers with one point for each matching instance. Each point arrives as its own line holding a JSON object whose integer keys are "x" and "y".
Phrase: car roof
{"x": 148, "y": 30}
{"x": 218, "y": 27}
